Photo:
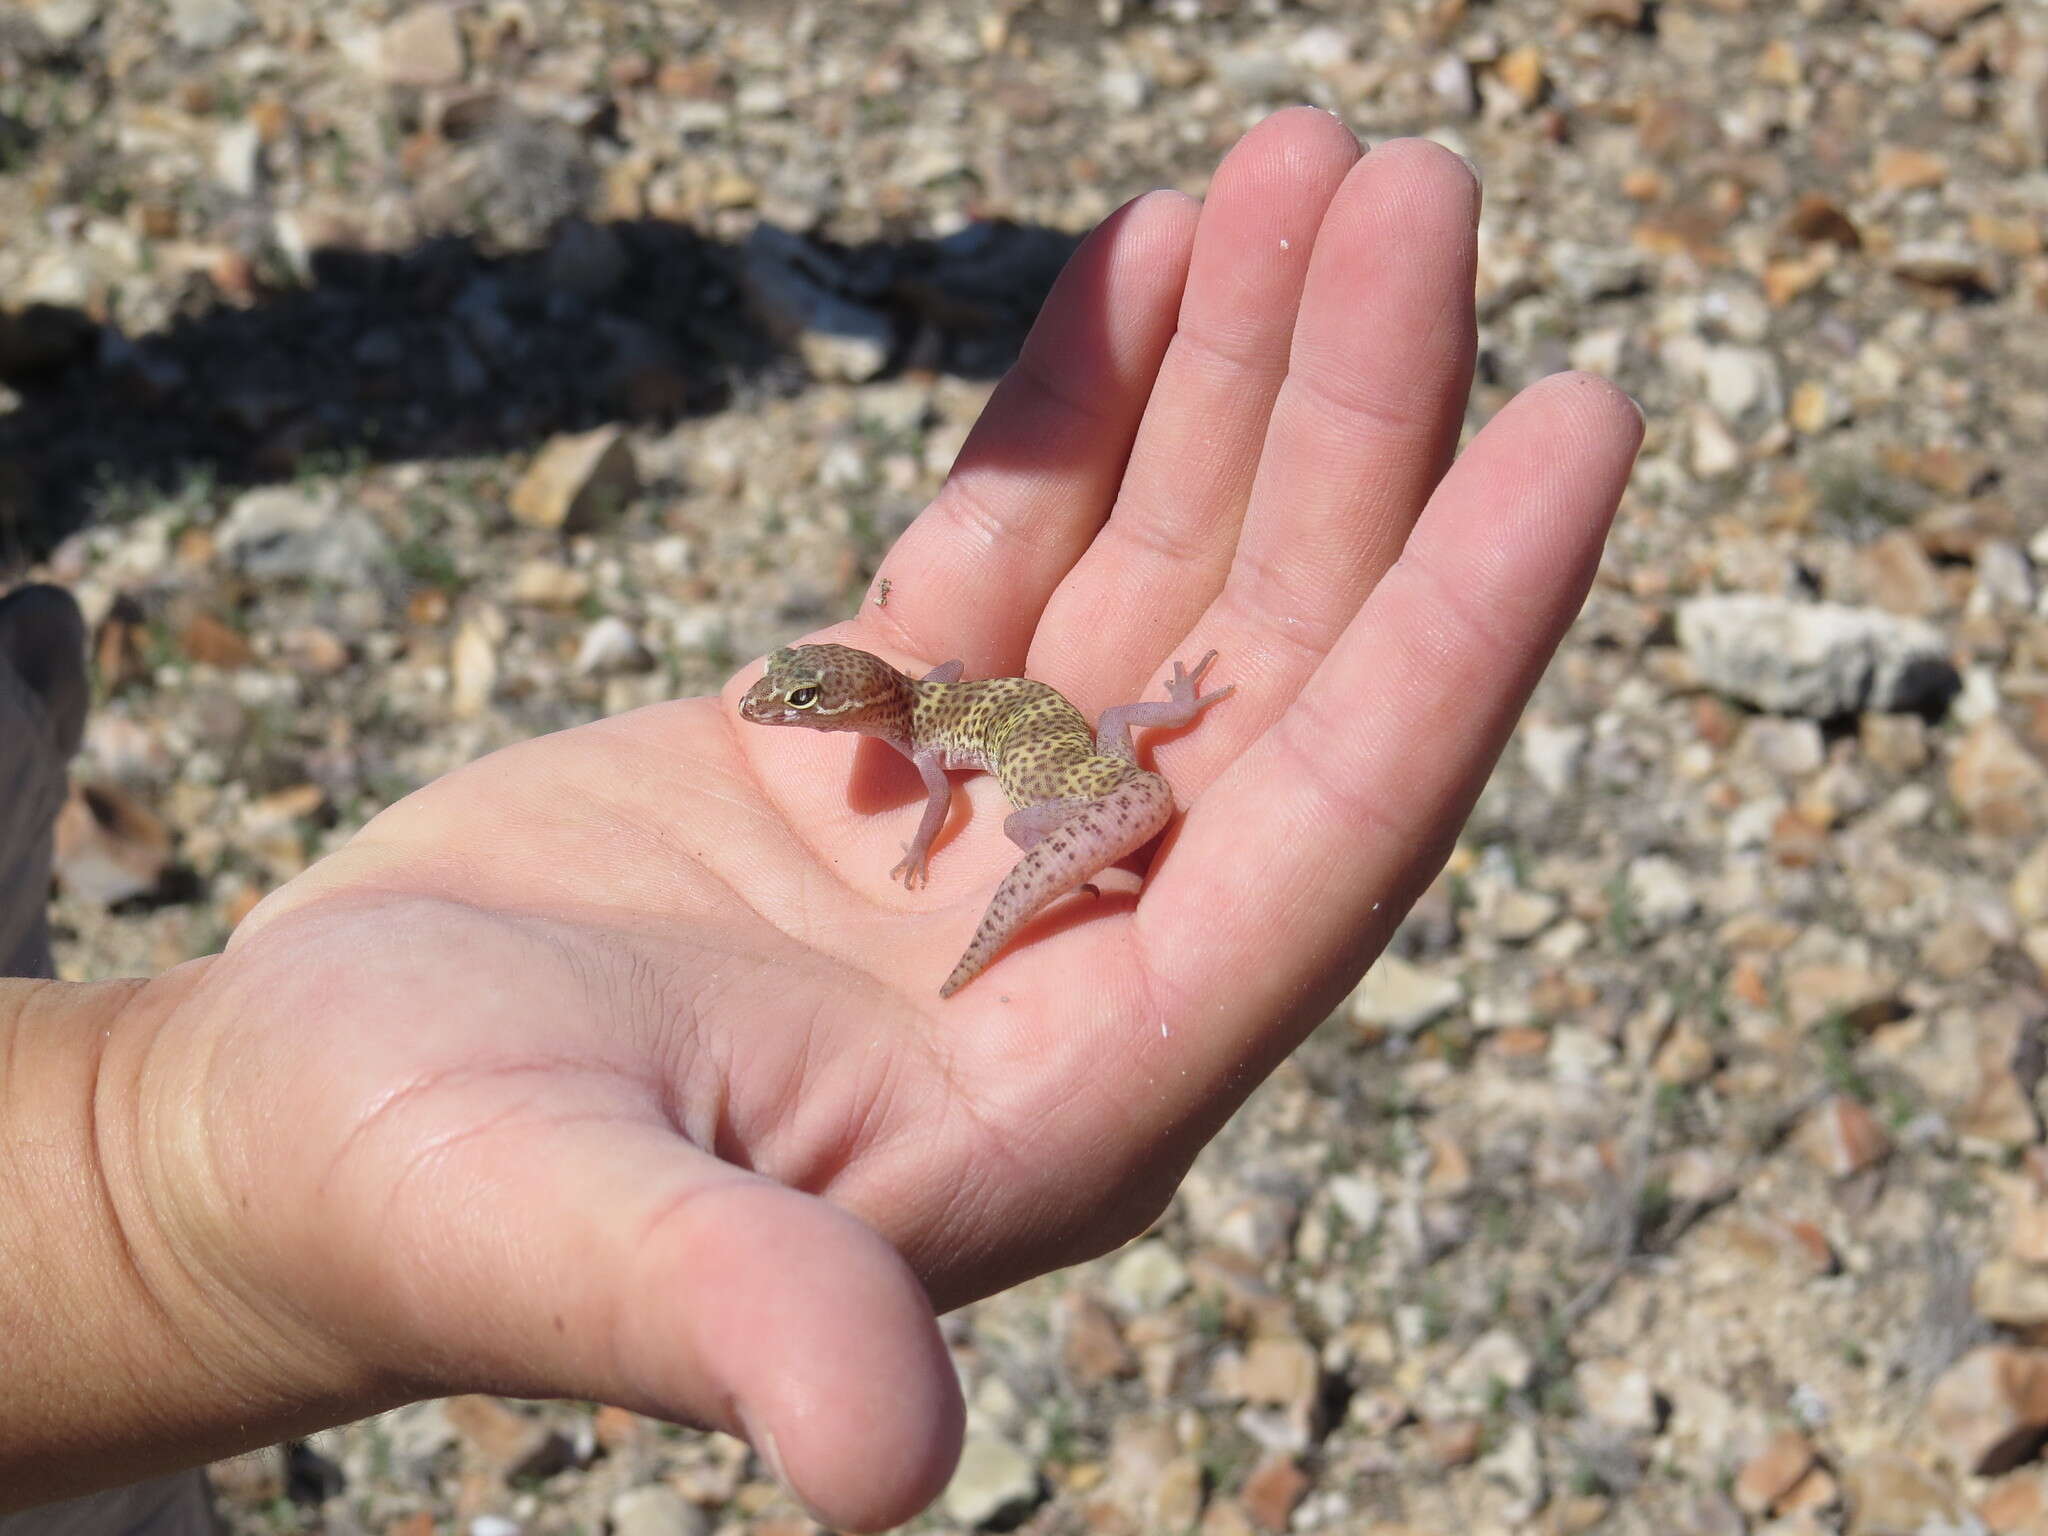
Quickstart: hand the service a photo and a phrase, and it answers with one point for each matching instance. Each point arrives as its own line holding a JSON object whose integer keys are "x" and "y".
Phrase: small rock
{"x": 1450, "y": 82}
{"x": 1818, "y": 659}
{"x": 1902, "y": 168}
{"x": 1660, "y": 893}
{"x": 1945, "y": 264}
{"x": 424, "y": 47}
{"x": 282, "y": 534}
{"x": 1521, "y": 71}
{"x": 994, "y": 1481}
{"x": 1773, "y": 1472}
{"x": 1453, "y": 1442}
{"x": 1715, "y": 450}
{"x": 2000, "y": 786}
{"x": 575, "y": 479}
{"x": 313, "y": 651}
{"x": 2006, "y": 1291}
{"x": 1276, "y": 1485}
{"x": 1888, "y": 1495}
{"x": 1943, "y": 18}
{"x": 1743, "y": 382}
{"x": 1989, "y": 1411}
{"x": 2017, "y": 1504}
{"x": 211, "y": 643}
{"x": 1959, "y": 947}
{"x": 1618, "y": 1393}
{"x": 1899, "y": 577}
{"x": 473, "y": 669}
{"x": 610, "y": 647}
{"x": 1401, "y": 997}
{"x": 1515, "y": 1467}
{"x": 656, "y": 1510}
{"x": 1553, "y": 754}
{"x": 238, "y": 159}
{"x": 839, "y": 339}
{"x": 1894, "y": 743}
{"x": 516, "y": 1445}
{"x": 1818, "y": 219}
{"x": 1092, "y": 1344}
{"x": 1785, "y": 748}
{"x": 549, "y": 584}
{"x": 1148, "y": 1277}
{"x": 108, "y": 845}
{"x": 1493, "y": 1363}
{"x": 202, "y": 25}
{"x": 1280, "y": 1370}
{"x": 1843, "y": 1137}
{"x": 1686, "y": 1057}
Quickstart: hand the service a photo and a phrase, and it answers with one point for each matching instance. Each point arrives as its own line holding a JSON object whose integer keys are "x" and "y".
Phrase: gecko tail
{"x": 1064, "y": 860}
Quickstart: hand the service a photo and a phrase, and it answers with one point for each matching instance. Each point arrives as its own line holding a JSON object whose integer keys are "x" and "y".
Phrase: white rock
{"x": 238, "y": 159}
{"x": 1403, "y": 997}
{"x": 610, "y": 646}
{"x": 994, "y": 1479}
{"x": 1552, "y": 754}
{"x": 1450, "y": 82}
{"x": 1148, "y": 1277}
{"x": 1743, "y": 383}
{"x": 203, "y": 24}
{"x": 655, "y": 1509}
{"x": 1359, "y": 1199}
{"x": 1661, "y": 894}
{"x": 1124, "y": 90}
{"x": 1495, "y": 1362}
{"x": 1817, "y": 659}
{"x": 1618, "y": 1393}
{"x": 1715, "y": 452}
{"x": 278, "y": 533}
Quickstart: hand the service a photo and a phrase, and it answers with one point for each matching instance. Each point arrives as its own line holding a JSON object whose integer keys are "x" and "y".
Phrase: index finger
{"x": 1038, "y": 473}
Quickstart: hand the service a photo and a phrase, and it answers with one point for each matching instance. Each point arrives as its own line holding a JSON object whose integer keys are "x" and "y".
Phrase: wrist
{"x": 137, "y": 1343}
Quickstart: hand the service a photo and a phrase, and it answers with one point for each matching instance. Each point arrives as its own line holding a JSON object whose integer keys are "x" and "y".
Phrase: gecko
{"x": 1082, "y": 802}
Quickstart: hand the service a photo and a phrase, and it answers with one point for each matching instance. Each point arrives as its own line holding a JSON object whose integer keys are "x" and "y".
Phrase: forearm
{"x": 118, "y": 1358}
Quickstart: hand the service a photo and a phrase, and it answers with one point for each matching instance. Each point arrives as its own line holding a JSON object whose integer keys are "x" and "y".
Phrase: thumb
{"x": 634, "y": 1268}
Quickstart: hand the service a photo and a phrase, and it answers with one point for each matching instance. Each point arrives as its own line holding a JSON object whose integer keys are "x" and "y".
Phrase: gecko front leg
{"x": 915, "y": 868}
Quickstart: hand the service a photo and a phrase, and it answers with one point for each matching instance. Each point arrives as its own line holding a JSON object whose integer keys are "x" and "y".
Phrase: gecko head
{"x": 825, "y": 687}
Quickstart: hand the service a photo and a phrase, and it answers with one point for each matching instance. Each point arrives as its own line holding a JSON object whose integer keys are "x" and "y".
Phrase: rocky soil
{"x": 393, "y": 382}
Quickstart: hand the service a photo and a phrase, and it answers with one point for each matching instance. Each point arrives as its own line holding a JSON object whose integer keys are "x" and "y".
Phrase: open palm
{"x": 614, "y": 1065}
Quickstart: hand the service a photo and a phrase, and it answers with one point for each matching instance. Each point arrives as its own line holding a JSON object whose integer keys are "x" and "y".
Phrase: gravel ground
{"x": 393, "y": 383}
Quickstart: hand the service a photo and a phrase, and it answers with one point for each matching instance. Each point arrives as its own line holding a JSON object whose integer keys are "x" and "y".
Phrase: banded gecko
{"x": 1082, "y": 800}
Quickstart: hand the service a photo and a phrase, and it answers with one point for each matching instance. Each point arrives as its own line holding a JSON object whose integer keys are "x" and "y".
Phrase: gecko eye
{"x": 802, "y": 698}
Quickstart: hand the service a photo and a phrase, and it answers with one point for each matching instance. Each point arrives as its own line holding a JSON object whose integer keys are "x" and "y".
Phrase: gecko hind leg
{"x": 1031, "y": 824}
{"x": 1184, "y": 701}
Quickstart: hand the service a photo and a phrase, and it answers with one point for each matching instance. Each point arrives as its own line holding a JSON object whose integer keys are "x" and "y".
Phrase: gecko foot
{"x": 1186, "y": 687}
{"x": 913, "y": 870}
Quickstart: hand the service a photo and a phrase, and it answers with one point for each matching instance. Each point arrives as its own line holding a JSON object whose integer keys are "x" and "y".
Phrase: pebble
{"x": 1823, "y": 660}
{"x": 609, "y": 647}
{"x": 423, "y": 47}
{"x": 1998, "y": 784}
{"x": 204, "y": 25}
{"x": 652, "y": 1510}
{"x": 282, "y": 534}
{"x": 994, "y": 1482}
{"x": 1402, "y": 997}
{"x": 1147, "y": 1277}
{"x": 576, "y": 481}
{"x": 1989, "y": 1411}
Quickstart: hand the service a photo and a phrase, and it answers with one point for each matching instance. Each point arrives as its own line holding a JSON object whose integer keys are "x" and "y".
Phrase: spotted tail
{"x": 1064, "y": 860}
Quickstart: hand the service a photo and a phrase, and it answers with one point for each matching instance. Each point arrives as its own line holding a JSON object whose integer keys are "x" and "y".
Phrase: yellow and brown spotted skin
{"x": 1083, "y": 802}
{"x": 1037, "y": 745}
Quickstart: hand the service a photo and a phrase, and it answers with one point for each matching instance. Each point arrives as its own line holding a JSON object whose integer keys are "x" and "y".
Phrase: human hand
{"x": 613, "y": 1065}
